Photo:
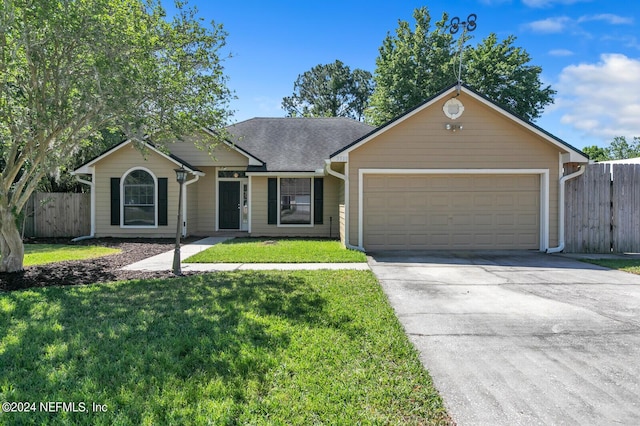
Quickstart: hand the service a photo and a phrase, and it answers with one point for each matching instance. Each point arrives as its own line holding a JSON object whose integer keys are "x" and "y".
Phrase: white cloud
{"x": 548, "y": 3}
{"x": 608, "y": 18}
{"x": 561, "y": 52}
{"x": 559, "y": 24}
{"x": 549, "y": 25}
{"x": 494, "y": 2}
{"x": 601, "y": 99}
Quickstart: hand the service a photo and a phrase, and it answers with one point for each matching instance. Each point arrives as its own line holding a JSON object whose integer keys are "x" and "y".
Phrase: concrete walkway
{"x": 164, "y": 261}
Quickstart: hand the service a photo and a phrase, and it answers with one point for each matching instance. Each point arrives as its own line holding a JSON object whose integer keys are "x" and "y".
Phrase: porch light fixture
{"x": 181, "y": 176}
{"x": 453, "y": 127}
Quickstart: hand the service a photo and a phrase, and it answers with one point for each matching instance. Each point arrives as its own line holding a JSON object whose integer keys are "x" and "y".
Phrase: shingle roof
{"x": 295, "y": 144}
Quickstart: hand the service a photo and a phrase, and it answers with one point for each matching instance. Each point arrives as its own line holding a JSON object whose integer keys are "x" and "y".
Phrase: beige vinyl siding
{"x": 192, "y": 208}
{"x": 115, "y": 165}
{"x": 206, "y": 208}
{"x": 259, "y": 226}
{"x": 488, "y": 140}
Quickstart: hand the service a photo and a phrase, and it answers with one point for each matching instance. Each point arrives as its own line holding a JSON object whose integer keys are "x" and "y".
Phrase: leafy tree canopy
{"x": 619, "y": 149}
{"x": 330, "y": 90}
{"x": 69, "y": 68}
{"x": 596, "y": 153}
{"x": 417, "y": 63}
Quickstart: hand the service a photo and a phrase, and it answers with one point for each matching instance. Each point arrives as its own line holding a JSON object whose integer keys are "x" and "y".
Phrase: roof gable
{"x": 207, "y": 148}
{"x": 295, "y": 144}
{"x": 86, "y": 167}
{"x": 572, "y": 154}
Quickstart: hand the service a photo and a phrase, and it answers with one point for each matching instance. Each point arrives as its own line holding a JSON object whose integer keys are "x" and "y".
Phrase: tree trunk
{"x": 10, "y": 242}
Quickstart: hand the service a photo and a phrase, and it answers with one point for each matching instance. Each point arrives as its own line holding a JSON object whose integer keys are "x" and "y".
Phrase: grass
{"x": 260, "y": 348}
{"x": 626, "y": 265}
{"x": 260, "y": 250}
{"x": 40, "y": 254}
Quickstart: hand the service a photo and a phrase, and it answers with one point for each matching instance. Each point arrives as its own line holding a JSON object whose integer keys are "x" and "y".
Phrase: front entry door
{"x": 229, "y": 205}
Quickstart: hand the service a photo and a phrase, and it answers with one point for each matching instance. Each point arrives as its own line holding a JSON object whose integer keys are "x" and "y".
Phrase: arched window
{"x": 139, "y": 199}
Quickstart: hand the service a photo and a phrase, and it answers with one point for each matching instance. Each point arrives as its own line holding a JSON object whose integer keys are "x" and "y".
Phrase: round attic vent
{"x": 453, "y": 108}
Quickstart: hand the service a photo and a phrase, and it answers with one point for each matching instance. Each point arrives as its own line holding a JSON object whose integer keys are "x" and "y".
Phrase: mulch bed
{"x": 103, "y": 269}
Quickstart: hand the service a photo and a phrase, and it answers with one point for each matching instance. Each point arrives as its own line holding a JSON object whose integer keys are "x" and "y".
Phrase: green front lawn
{"x": 626, "y": 265}
{"x": 308, "y": 347}
{"x": 40, "y": 254}
{"x": 288, "y": 250}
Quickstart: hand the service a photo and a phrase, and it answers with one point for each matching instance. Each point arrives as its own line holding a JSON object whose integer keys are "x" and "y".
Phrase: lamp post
{"x": 181, "y": 176}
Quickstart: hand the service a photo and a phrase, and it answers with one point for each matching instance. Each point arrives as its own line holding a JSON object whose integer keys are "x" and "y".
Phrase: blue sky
{"x": 589, "y": 51}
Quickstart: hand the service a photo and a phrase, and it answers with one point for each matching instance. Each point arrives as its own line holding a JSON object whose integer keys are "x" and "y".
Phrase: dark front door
{"x": 229, "y": 205}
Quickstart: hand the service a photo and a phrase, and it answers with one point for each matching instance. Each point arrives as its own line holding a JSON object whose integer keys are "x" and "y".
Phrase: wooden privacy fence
{"x": 603, "y": 210}
{"x": 57, "y": 214}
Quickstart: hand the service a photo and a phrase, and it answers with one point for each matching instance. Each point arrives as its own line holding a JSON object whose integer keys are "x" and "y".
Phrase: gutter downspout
{"x": 345, "y": 178}
{"x": 561, "y": 240}
{"x": 184, "y": 205}
{"x": 93, "y": 209}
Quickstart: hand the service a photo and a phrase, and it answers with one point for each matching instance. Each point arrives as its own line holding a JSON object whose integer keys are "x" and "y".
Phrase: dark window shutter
{"x": 318, "y": 197}
{"x": 162, "y": 202}
{"x": 115, "y": 201}
{"x": 272, "y": 201}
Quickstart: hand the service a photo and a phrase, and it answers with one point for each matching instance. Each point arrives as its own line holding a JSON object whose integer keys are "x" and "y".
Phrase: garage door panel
{"x": 438, "y": 219}
{"x": 458, "y": 212}
{"x": 437, "y": 200}
{"x": 462, "y": 240}
{"x": 418, "y": 220}
{"x": 506, "y": 201}
{"x": 483, "y": 219}
{"x": 374, "y": 201}
{"x": 462, "y": 219}
{"x": 482, "y": 200}
{"x": 462, "y": 201}
{"x": 375, "y": 220}
{"x": 527, "y": 220}
{"x": 504, "y": 219}
{"x": 439, "y": 240}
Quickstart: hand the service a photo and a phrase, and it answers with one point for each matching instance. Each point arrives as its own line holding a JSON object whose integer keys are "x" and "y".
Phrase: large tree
{"x": 500, "y": 71}
{"x": 596, "y": 153}
{"x": 416, "y": 63}
{"x": 619, "y": 149}
{"x": 69, "y": 68}
{"x": 330, "y": 90}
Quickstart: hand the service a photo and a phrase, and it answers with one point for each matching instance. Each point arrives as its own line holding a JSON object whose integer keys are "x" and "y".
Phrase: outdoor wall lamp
{"x": 453, "y": 127}
{"x": 181, "y": 176}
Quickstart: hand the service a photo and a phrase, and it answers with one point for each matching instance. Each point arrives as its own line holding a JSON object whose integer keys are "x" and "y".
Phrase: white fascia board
{"x": 83, "y": 170}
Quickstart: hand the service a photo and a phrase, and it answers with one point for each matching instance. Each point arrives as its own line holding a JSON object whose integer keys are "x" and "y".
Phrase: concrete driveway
{"x": 521, "y": 338}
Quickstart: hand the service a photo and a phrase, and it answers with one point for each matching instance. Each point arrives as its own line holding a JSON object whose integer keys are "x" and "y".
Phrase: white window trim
{"x": 544, "y": 192}
{"x": 311, "y": 204}
{"x": 155, "y": 200}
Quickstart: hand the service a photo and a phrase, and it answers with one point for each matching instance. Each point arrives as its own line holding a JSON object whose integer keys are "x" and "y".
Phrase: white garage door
{"x": 413, "y": 212}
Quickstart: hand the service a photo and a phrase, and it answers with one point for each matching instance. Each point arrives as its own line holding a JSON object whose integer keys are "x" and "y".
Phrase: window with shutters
{"x": 295, "y": 201}
{"x": 139, "y": 199}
